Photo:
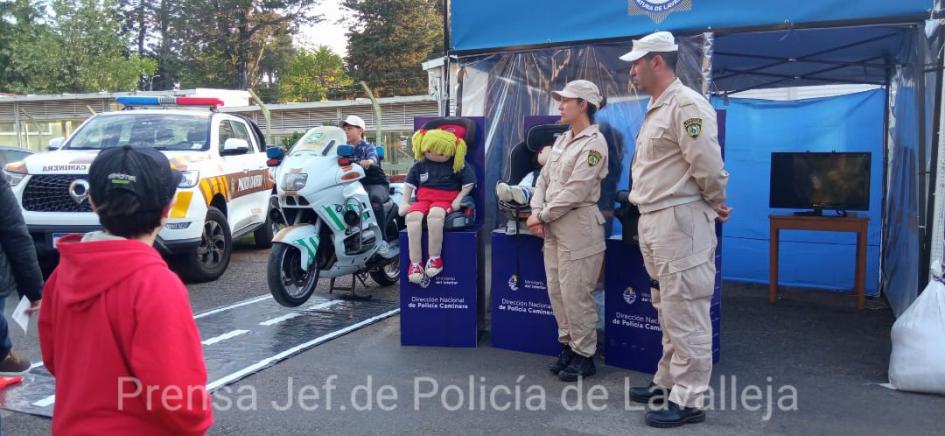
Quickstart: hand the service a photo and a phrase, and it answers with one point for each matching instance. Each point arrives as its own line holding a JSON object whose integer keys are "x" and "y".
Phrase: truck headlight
{"x": 15, "y": 172}
{"x": 294, "y": 181}
{"x": 189, "y": 179}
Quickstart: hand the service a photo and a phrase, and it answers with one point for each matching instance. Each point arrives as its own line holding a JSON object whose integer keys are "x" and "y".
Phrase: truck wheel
{"x": 209, "y": 260}
{"x": 262, "y": 237}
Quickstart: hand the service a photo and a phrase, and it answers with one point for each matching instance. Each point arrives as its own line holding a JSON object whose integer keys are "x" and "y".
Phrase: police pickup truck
{"x": 224, "y": 194}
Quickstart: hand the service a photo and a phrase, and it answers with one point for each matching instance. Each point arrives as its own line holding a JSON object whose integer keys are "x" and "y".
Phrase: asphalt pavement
{"x": 814, "y": 364}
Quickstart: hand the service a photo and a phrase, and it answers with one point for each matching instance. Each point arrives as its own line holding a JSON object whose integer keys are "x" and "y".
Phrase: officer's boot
{"x": 563, "y": 360}
{"x": 674, "y": 416}
{"x": 653, "y": 393}
{"x": 579, "y": 367}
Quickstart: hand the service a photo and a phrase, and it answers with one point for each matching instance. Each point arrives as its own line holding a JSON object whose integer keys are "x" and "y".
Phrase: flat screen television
{"x": 818, "y": 181}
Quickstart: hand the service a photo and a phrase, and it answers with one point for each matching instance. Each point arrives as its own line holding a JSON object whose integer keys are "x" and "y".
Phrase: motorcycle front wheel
{"x": 289, "y": 284}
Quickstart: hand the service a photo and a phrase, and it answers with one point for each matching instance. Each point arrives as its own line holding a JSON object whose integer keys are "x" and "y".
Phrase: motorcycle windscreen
{"x": 323, "y": 140}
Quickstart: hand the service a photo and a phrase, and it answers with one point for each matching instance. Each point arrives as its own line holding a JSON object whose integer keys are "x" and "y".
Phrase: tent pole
{"x": 887, "y": 114}
{"x": 923, "y": 167}
{"x": 447, "y": 68}
{"x": 936, "y": 216}
{"x": 808, "y": 61}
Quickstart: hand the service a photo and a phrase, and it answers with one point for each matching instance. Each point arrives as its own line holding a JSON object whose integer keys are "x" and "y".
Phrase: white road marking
{"x": 225, "y": 336}
{"x": 50, "y": 400}
{"x": 234, "y": 306}
{"x": 289, "y": 316}
{"x": 46, "y": 402}
{"x": 287, "y": 353}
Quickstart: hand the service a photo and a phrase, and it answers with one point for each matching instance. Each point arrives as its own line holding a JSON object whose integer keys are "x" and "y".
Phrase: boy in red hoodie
{"x": 116, "y": 327}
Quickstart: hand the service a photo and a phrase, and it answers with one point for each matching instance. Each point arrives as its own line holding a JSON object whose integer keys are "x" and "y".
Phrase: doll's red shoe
{"x": 434, "y": 266}
{"x": 415, "y": 273}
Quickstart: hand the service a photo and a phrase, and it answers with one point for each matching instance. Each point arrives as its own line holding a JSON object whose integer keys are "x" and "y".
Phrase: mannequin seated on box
{"x": 442, "y": 181}
{"x": 523, "y": 167}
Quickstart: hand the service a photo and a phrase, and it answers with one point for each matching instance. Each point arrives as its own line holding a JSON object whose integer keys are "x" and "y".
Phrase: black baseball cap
{"x": 142, "y": 171}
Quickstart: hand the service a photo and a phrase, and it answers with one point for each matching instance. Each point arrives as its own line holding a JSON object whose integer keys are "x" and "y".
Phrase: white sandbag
{"x": 917, "y": 362}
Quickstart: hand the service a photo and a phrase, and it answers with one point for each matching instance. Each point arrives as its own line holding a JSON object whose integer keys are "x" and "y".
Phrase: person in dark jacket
{"x": 19, "y": 270}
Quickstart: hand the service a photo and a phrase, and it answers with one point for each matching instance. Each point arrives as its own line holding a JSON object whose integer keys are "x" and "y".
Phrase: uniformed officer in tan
{"x": 565, "y": 213}
{"x": 678, "y": 183}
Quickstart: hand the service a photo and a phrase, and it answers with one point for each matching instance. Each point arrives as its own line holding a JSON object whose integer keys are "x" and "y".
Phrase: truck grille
{"x": 51, "y": 194}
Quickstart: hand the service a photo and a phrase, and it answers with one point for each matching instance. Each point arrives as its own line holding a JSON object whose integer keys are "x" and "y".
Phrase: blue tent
{"x": 512, "y": 54}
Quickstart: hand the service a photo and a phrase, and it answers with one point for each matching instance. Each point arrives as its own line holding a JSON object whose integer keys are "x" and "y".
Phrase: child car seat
{"x": 521, "y": 162}
{"x": 466, "y": 215}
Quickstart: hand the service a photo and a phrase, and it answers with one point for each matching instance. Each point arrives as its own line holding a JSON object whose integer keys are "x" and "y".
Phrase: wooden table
{"x": 855, "y": 224}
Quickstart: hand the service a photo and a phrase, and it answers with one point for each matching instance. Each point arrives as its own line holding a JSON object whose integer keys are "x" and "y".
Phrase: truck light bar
{"x": 170, "y": 101}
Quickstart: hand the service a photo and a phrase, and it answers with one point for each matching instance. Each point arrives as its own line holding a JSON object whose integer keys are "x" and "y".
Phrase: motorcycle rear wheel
{"x": 389, "y": 274}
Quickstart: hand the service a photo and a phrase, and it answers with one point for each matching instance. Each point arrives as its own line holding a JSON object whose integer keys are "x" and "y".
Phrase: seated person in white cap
{"x": 375, "y": 181}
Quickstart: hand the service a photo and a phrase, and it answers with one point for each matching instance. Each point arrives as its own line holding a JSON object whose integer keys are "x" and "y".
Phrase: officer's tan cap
{"x": 659, "y": 42}
{"x": 582, "y": 89}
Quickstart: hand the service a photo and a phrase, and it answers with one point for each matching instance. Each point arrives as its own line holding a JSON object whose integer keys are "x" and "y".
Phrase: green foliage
{"x": 80, "y": 50}
{"x": 311, "y": 75}
{"x": 290, "y": 140}
{"x": 389, "y": 39}
{"x": 56, "y": 46}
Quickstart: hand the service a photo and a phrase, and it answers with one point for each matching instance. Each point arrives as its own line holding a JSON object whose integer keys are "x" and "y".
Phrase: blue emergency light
{"x": 169, "y": 101}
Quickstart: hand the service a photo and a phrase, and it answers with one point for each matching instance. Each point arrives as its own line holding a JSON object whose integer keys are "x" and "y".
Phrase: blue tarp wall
{"x": 757, "y": 128}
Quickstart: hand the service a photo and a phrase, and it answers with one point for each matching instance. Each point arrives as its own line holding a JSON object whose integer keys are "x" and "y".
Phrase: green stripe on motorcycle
{"x": 311, "y": 253}
{"x": 334, "y": 217}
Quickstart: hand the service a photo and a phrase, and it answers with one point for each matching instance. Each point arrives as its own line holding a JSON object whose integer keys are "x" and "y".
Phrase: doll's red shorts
{"x": 428, "y": 198}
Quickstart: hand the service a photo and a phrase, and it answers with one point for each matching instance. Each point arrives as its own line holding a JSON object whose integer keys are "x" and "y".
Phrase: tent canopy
{"x": 512, "y": 54}
{"x": 860, "y": 55}
{"x": 488, "y": 25}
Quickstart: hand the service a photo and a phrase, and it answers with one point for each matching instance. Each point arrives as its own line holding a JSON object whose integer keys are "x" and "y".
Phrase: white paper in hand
{"x": 20, "y": 316}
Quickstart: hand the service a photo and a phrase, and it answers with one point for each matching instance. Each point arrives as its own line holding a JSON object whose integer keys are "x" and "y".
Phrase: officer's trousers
{"x": 574, "y": 254}
{"x": 678, "y": 246}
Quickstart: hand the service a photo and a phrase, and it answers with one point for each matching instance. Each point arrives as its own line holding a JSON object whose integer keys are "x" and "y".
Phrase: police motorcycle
{"x": 329, "y": 227}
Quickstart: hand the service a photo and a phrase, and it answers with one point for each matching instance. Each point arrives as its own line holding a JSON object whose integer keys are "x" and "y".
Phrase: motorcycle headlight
{"x": 294, "y": 181}
{"x": 189, "y": 179}
{"x": 15, "y": 172}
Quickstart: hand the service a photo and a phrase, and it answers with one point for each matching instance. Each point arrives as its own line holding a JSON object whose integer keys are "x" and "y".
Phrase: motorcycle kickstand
{"x": 353, "y": 296}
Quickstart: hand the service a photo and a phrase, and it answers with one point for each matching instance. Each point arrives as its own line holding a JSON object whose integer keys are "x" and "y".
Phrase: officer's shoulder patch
{"x": 693, "y": 127}
{"x": 593, "y": 158}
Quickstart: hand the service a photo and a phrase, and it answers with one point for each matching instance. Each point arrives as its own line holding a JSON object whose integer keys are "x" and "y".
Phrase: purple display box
{"x": 633, "y": 338}
{"x": 522, "y": 319}
{"x": 443, "y": 311}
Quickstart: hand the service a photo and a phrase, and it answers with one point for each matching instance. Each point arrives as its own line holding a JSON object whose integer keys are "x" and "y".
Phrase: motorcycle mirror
{"x": 274, "y": 156}
{"x": 346, "y": 150}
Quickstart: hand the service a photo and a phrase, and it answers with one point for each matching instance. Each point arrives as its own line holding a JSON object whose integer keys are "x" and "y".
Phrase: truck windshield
{"x": 160, "y": 131}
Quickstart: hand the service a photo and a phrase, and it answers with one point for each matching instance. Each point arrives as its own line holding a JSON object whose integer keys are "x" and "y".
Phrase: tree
{"x": 229, "y": 39}
{"x": 29, "y": 50}
{"x": 97, "y": 57}
{"x": 312, "y": 75}
{"x": 389, "y": 39}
